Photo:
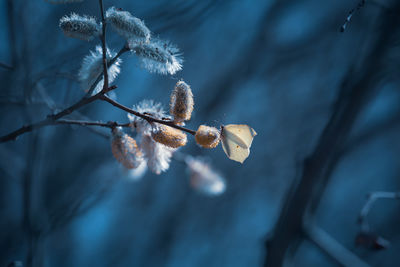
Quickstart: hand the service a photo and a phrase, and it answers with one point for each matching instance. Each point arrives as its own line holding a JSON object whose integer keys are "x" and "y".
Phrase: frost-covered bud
{"x": 81, "y": 27}
{"x": 203, "y": 178}
{"x": 158, "y": 156}
{"x": 125, "y": 149}
{"x": 181, "y": 106}
{"x": 207, "y": 137}
{"x": 158, "y": 56}
{"x": 130, "y": 27}
{"x": 92, "y": 67}
{"x": 169, "y": 136}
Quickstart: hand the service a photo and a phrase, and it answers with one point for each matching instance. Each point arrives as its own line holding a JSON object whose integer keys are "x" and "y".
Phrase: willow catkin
{"x": 80, "y": 27}
{"x": 169, "y": 136}
{"x": 130, "y": 27}
{"x": 125, "y": 149}
{"x": 158, "y": 56}
{"x": 207, "y": 137}
{"x": 181, "y": 106}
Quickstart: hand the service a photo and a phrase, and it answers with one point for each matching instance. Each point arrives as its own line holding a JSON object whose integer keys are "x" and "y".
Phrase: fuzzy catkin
{"x": 181, "y": 105}
{"x": 128, "y": 26}
{"x": 158, "y": 56}
{"x": 203, "y": 178}
{"x": 80, "y": 27}
{"x": 125, "y": 150}
{"x": 169, "y": 136}
{"x": 92, "y": 67}
{"x": 207, "y": 137}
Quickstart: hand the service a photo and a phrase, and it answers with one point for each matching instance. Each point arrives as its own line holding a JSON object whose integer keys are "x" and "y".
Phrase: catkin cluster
{"x": 155, "y": 135}
{"x": 181, "y": 107}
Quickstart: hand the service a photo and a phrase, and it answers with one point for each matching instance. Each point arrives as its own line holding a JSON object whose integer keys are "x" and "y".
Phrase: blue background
{"x": 275, "y": 65}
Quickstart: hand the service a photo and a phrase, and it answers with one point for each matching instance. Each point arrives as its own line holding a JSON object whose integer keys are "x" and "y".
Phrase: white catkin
{"x": 92, "y": 67}
{"x": 203, "y": 178}
{"x": 125, "y": 149}
{"x": 158, "y": 56}
{"x": 128, "y": 26}
{"x": 137, "y": 173}
{"x": 149, "y": 107}
{"x": 158, "y": 156}
{"x": 80, "y": 27}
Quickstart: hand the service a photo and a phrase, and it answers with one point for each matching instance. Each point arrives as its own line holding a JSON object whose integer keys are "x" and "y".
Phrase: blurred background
{"x": 325, "y": 105}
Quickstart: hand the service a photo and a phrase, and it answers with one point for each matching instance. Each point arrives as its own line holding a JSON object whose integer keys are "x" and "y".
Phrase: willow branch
{"x": 362, "y": 218}
{"x": 103, "y": 45}
{"x": 146, "y": 117}
{"x": 110, "y": 124}
{"x": 51, "y": 118}
{"x": 54, "y": 119}
{"x": 124, "y": 49}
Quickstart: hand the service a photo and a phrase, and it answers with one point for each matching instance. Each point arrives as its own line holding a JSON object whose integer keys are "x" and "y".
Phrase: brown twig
{"x": 53, "y": 119}
{"x": 146, "y": 117}
{"x": 110, "y": 124}
{"x": 124, "y": 49}
{"x": 103, "y": 45}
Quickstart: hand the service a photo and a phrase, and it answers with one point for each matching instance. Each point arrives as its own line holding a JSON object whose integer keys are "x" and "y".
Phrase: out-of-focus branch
{"x": 371, "y": 198}
{"x": 350, "y": 15}
{"x": 332, "y": 247}
{"x": 11, "y": 31}
{"x": 351, "y": 100}
{"x": 6, "y": 66}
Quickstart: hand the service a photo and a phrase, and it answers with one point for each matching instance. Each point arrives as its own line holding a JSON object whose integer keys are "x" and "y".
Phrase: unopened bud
{"x": 169, "y": 136}
{"x": 80, "y": 27}
{"x": 207, "y": 137}
{"x": 125, "y": 149}
{"x": 128, "y": 26}
{"x": 181, "y": 106}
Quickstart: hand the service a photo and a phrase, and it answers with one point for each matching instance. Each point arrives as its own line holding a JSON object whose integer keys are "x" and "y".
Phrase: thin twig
{"x": 371, "y": 198}
{"x": 52, "y": 119}
{"x": 103, "y": 45}
{"x": 146, "y": 117}
{"x": 124, "y": 49}
{"x": 110, "y": 124}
